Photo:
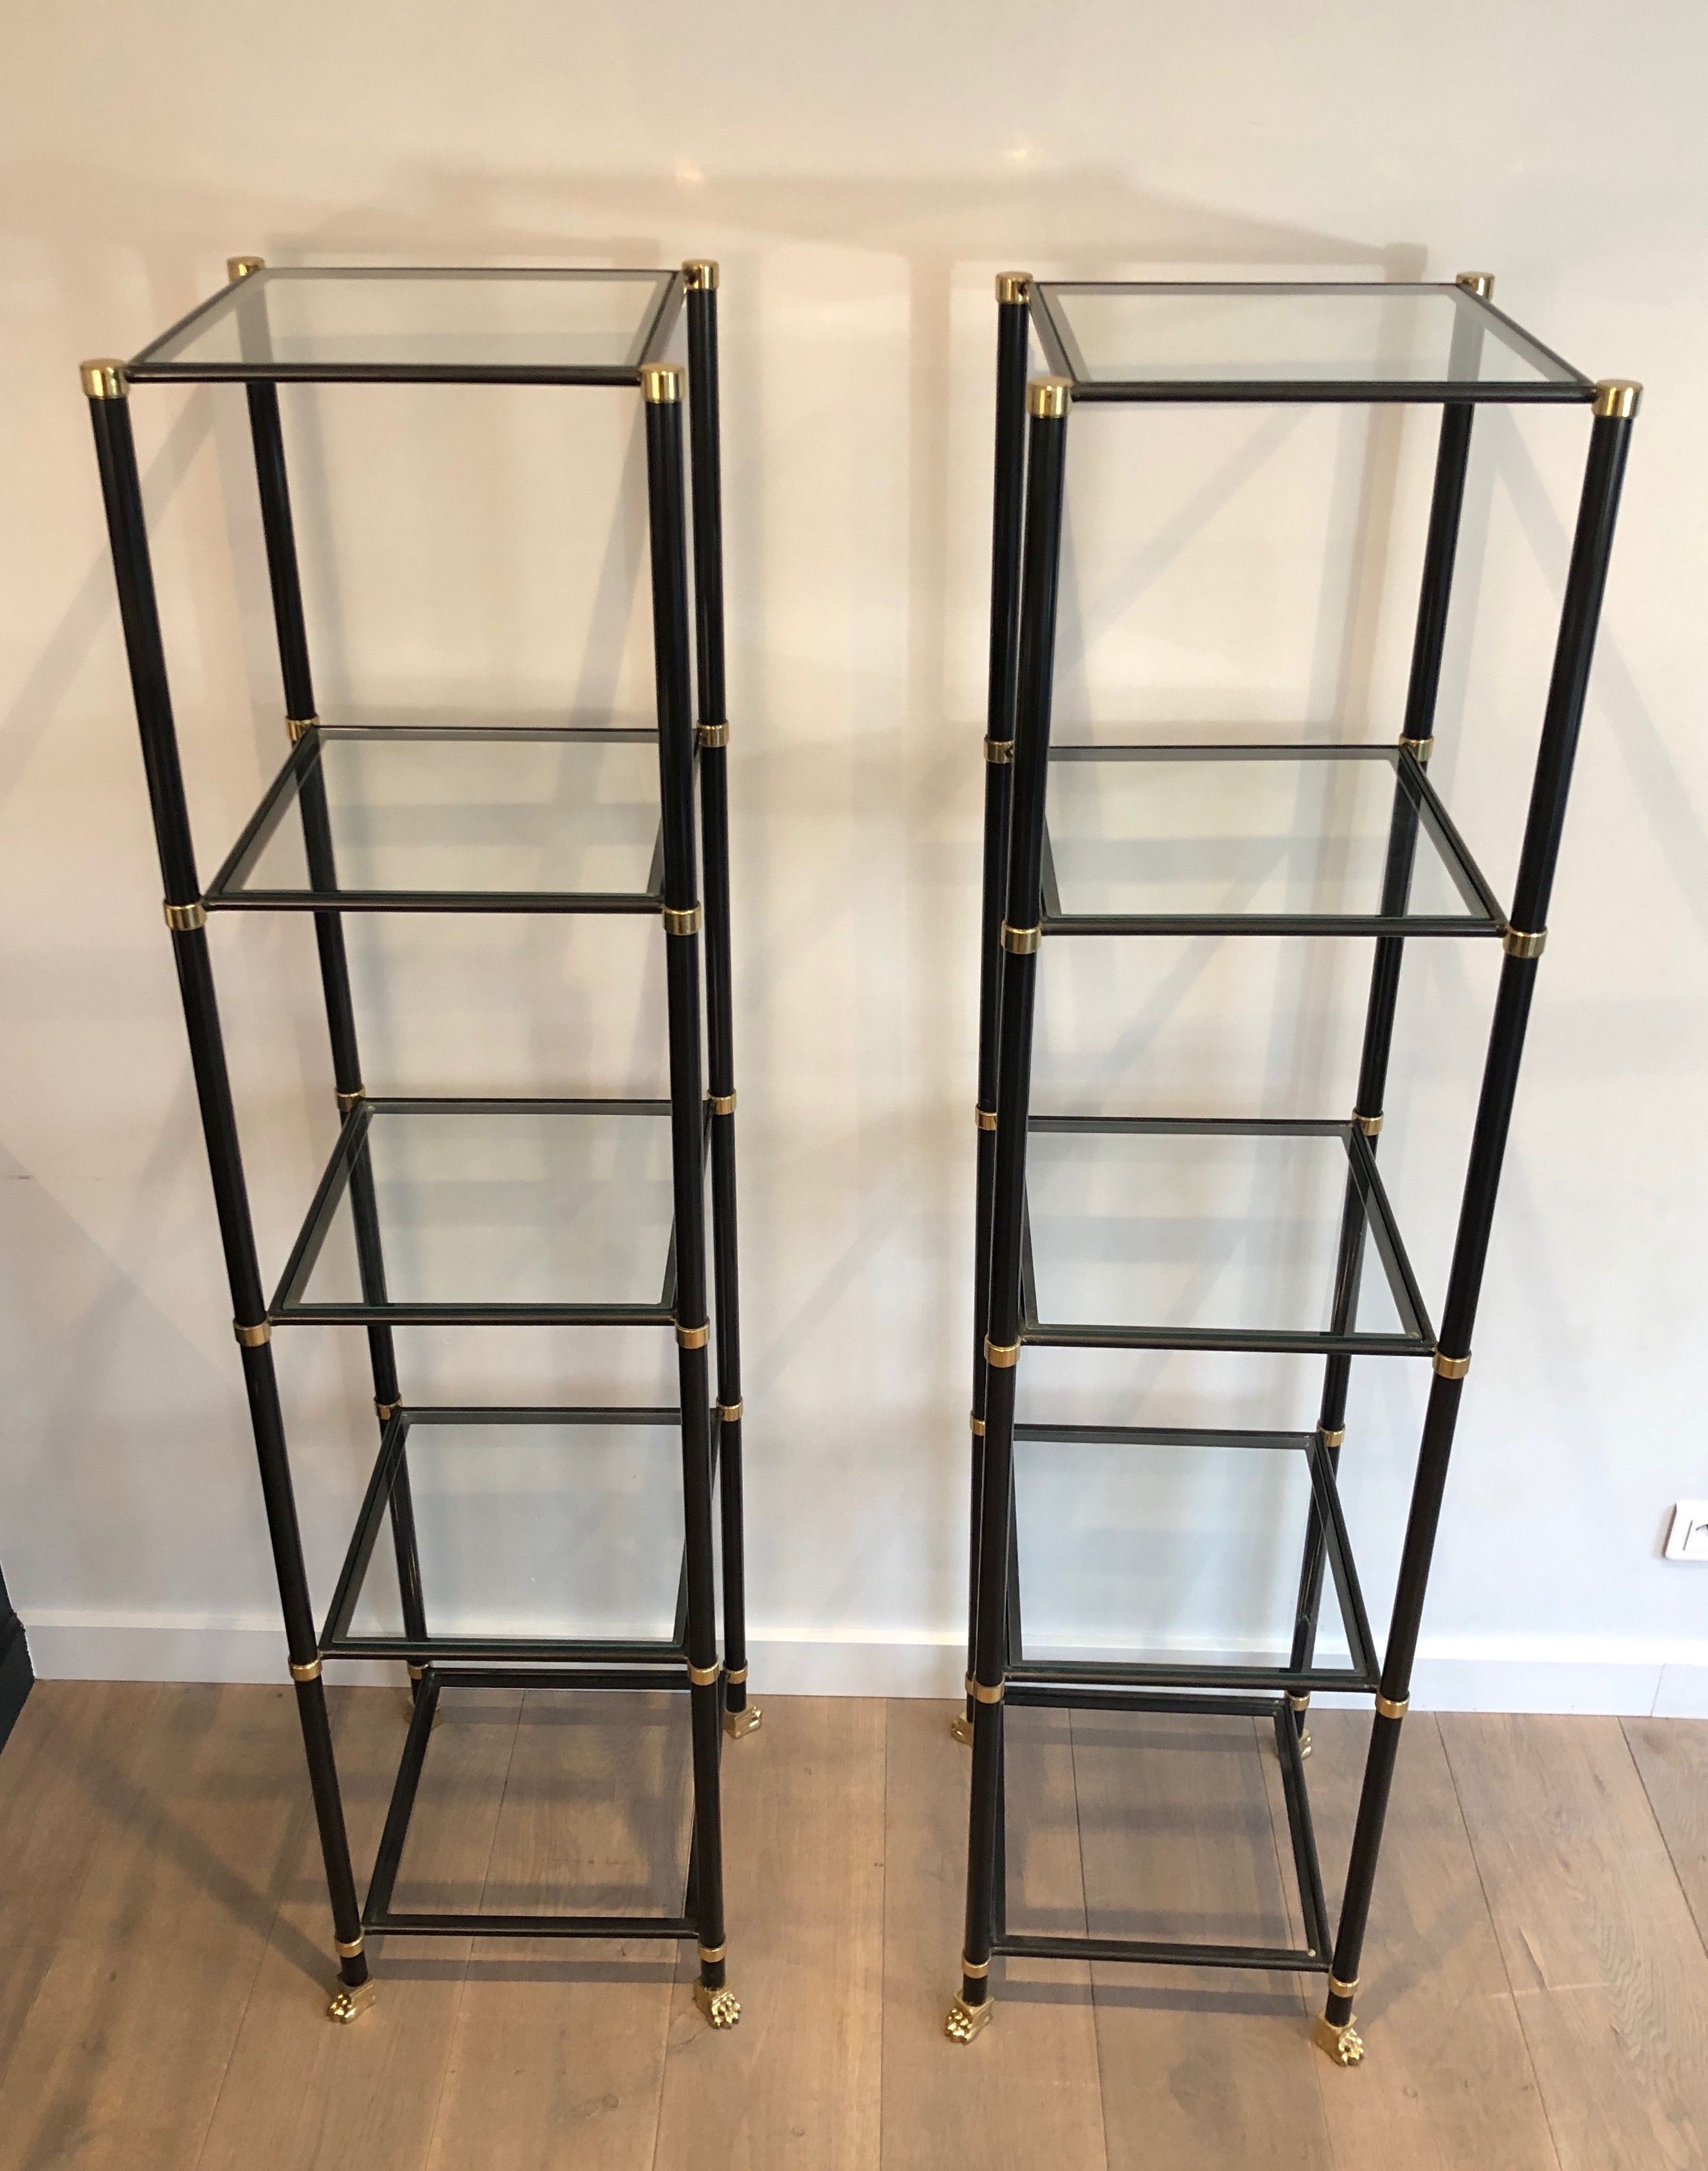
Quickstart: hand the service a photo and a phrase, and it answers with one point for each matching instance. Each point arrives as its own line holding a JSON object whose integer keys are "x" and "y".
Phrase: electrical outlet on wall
{"x": 1688, "y": 1538}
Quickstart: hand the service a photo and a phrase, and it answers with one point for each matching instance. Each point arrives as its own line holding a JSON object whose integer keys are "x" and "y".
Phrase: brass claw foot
{"x": 961, "y": 1726}
{"x": 1304, "y": 1745}
{"x": 1344, "y": 2044}
{"x": 348, "y": 2004}
{"x": 720, "y": 2006}
{"x": 739, "y": 1723}
{"x": 965, "y": 2021}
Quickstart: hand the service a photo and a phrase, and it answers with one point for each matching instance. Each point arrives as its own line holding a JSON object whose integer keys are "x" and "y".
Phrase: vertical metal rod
{"x": 1008, "y": 494}
{"x": 133, "y": 575}
{"x": 712, "y": 733}
{"x": 285, "y": 579}
{"x": 1046, "y": 402}
{"x": 706, "y": 456}
{"x": 667, "y": 511}
{"x": 1440, "y": 553}
{"x": 1574, "y": 651}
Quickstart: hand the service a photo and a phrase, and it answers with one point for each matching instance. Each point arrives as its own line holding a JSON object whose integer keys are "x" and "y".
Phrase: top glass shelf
{"x": 1293, "y": 340}
{"x": 403, "y": 325}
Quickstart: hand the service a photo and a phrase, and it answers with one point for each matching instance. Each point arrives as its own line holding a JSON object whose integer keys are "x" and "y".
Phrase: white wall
{"x": 860, "y": 173}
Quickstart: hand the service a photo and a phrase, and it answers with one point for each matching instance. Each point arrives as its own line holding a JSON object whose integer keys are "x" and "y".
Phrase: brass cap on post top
{"x": 1014, "y": 285}
{"x": 240, "y": 267}
{"x": 104, "y": 379}
{"x": 660, "y": 382}
{"x": 699, "y": 275}
{"x": 1046, "y": 398}
{"x": 1618, "y": 398}
{"x": 1480, "y": 283}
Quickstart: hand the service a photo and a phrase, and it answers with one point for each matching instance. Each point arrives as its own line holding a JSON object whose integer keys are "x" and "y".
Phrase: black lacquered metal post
{"x": 1008, "y": 497}
{"x": 1046, "y": 403}
{"x": 1615, "y": 406}
{"x": 301, "y": 716}
{"x": 1441, "y": 549}
{"x": 711, "y": 735}
{"x": 109, "y": 415}
{"x": 661, "y": 385}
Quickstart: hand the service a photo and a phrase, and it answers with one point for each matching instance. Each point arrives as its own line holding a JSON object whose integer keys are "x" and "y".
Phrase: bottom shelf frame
{"x": 496, "y": 1661}
{"x": 1177, "y": 1687}
{"x": 1312, "y": 1958}
{"x": 378, "y": 1916}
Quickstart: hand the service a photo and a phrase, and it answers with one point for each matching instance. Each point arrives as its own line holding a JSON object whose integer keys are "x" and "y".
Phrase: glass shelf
{"x": 1251, "y": 840}
{"x": 1118, "y": 1522}
{"x": 1172, "y": 1233}
{"x": 482, "y": 1212}
{"x": 1345, "y": 340}
{"x": 470, "y": 324}
{"x": 418, "y": 818}
{"x": 583, "y": 1508}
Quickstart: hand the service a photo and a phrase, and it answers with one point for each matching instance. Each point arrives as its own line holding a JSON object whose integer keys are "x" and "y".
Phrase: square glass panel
{"x": 594, "y": 1801}
{"x": 1174, "y": 1553}
{"x": 1299, "y": 332}
{"x": 1251, "y": 834}
{"x": 1181, "y": 1235}
{"x": 398, "y": 811}
{"x": 537, "y": 1529}
{"x": 1181, "y": 1839}
{"x": 467, "y": 1208}
{"x": 443, "y": 319}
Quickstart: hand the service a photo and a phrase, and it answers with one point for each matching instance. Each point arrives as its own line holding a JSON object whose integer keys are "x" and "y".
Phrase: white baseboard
{"x": 135, "y": 1647}
{"x": 1625, "y": 1676}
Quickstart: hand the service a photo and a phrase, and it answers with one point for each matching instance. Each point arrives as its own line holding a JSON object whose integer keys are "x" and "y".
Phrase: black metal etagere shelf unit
{"x": 1174, "y": 343}
{"x": 321, "y": 843}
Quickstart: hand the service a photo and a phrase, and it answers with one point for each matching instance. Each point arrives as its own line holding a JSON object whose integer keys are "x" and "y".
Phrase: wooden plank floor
{"x": 1535, "y": 1994}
